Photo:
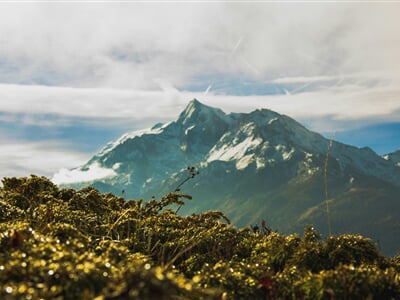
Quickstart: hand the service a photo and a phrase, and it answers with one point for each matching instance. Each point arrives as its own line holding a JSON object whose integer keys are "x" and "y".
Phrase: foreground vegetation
{"x": 66, "y": 244}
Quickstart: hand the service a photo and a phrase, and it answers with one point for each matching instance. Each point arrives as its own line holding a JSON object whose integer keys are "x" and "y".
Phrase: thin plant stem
{"x": 328, "y": 213}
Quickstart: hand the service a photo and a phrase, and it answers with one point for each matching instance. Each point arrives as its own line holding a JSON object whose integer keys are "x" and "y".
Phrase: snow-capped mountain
{"x": 253, "y": 166}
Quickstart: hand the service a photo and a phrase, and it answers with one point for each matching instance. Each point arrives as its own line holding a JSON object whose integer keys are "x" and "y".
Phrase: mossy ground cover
{"x": 66, "y": 244}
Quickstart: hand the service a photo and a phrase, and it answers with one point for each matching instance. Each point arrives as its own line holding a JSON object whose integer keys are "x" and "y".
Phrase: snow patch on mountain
{"x": 190, "y": 110}
{"x": 130, "y": 135}
{"x": 286, "y": 155}
{"x": 244, "y": 162}
{"x": 272, "y": 121}
{"x": 235, "y": 151}
{"x": 188, "y": 129}
{"x": 308, "y": 166}
{"x": 89, "y": 173}
{"x": 394, "y": 157}
{"x": 116, "y": 166}
{"x": 148, "y": 180}
{"x": 260, "y": 163}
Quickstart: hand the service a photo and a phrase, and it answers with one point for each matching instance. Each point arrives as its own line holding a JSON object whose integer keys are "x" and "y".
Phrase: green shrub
{"x": 66, "y": 244}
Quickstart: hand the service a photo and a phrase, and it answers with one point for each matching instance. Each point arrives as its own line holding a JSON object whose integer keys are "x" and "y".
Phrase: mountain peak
{"x": 196, "y": 111}
{"x": 194, "y": 101}
{"x": 195, "y": 105}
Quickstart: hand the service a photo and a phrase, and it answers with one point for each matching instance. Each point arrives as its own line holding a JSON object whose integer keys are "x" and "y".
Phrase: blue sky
{"x": 74, "y": 76}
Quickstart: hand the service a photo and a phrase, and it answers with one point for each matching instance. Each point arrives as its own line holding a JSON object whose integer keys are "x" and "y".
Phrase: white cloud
{"x": 304, "y": 79}
{"x": 21, "y": 158}
{"x": 90, "y": 103}
{"x": 94, "y": 171}
{"x": 127, "y": 45}
{"x": 326, "y": 108}
{"x": 342, "y": 102}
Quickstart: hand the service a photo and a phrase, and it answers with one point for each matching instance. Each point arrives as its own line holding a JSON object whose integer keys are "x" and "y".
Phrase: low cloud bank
{"x": 93, "y": 172}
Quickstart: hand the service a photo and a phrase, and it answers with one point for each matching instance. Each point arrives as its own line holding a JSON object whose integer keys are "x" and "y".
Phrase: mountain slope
{"x": 260, "y": 165}
{"x": 394, "y": 157}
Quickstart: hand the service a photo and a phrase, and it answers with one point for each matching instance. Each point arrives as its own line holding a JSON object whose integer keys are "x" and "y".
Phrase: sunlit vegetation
{"x": 67, "y": 244}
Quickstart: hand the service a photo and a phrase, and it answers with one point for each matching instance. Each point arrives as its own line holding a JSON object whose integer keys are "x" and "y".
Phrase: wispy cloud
{"x": 85, "y": 102}
{"x": 345, "y": 102}
{"x": 303, "y": 79}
